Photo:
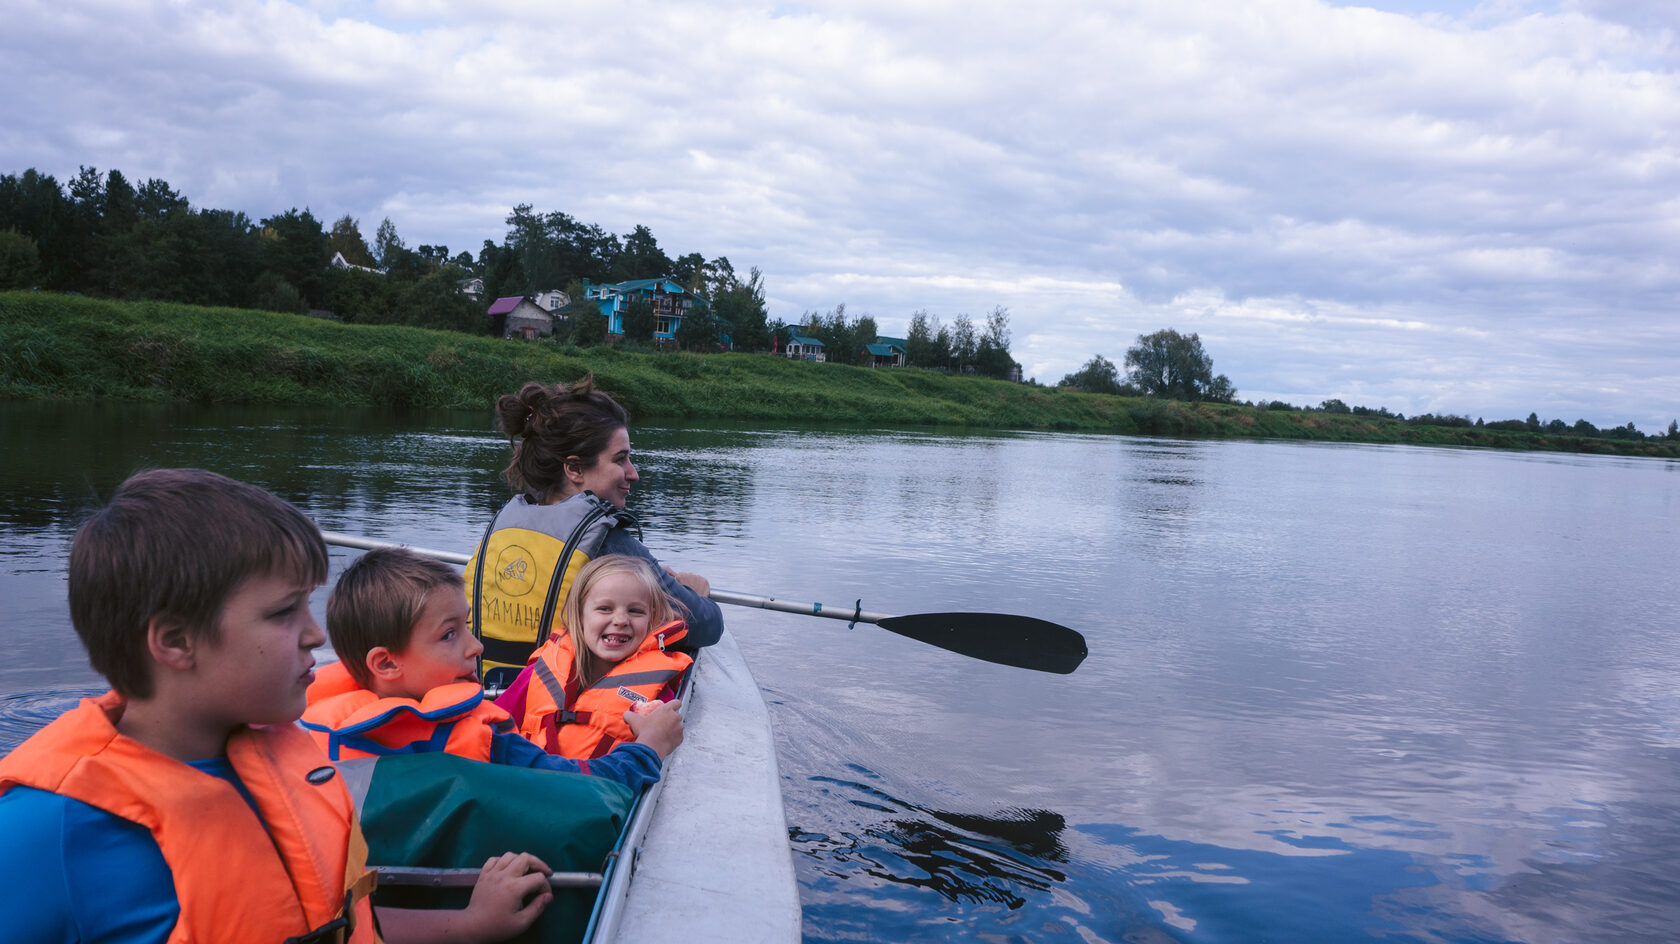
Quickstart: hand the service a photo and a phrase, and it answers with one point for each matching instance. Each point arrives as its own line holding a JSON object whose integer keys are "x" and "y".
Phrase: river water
{"x": 1335, "y": 693}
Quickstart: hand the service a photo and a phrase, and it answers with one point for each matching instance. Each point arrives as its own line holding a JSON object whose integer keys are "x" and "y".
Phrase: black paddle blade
{"x": 1022, "y": 641}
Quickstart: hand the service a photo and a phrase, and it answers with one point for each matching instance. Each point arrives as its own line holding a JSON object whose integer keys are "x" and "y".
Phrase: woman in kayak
{"x": 571, "y": 473}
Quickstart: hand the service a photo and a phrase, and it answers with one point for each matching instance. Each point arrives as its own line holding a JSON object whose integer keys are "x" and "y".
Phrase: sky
{"x": 1425, "y": 205}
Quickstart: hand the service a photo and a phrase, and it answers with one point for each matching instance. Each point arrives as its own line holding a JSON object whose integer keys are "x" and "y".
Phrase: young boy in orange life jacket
{"x": 185, "y": 804}
{"x": 608, "y": 667}
{"x": 407, "y": 679}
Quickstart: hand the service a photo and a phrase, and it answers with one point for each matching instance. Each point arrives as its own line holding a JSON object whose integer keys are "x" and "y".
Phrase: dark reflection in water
{"x": 961, "y": 857}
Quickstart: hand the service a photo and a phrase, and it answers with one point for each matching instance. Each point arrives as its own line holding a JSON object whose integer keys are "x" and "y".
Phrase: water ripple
{"x": 24, "y": 713}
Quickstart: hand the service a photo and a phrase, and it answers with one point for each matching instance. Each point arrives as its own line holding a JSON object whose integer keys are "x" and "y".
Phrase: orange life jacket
{"x": 349, "y": 721}
{"x": 590, "y": 722}
{"x": 305, "y": 877}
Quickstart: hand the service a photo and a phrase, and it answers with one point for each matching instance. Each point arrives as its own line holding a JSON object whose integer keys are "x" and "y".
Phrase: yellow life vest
{"x": 519, "y": 576}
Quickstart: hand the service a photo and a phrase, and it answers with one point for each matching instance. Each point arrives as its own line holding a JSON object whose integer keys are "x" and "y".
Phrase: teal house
{"x": 885, "y": 352}
{"x": 671, "y": 303}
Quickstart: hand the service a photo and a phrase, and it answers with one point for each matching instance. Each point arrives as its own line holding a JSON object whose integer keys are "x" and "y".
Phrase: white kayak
{"x": 710, "y": 861}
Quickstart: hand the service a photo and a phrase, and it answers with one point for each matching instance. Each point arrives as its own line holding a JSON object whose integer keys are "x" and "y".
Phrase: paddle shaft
{"x": 850, "y": 614}
{"x": 1022, "y": 641}
{"x": 854, "y": 614}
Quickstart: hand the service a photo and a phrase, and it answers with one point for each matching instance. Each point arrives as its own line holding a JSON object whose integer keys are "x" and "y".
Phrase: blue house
{"x": 671, "y": 303}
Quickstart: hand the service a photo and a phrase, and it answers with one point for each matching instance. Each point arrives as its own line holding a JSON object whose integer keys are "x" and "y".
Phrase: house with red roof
{"x": 519, "y": 317}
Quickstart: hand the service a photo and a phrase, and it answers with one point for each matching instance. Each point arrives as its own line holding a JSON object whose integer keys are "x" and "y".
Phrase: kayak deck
{"x": 714, "y": 864}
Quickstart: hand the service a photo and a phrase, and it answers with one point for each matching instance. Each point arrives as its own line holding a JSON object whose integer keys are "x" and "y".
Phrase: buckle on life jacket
{"x": 568, "y": 717}
{"x": 339, "y": 929}
{"x": 333, "y": 932}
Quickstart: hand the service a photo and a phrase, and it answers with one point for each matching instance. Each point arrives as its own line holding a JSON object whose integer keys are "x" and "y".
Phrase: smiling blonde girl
{"x": 609, "y": 657}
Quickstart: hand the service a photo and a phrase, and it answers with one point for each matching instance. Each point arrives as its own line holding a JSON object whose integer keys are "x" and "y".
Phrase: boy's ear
{"x": 383, "y": 664}
{"x": 170, "y": 644}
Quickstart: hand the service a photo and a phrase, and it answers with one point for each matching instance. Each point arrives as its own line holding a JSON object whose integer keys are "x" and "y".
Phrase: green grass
{"x": 61, "y": 347}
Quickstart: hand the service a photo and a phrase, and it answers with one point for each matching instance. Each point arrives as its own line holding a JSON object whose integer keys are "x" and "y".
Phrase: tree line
{"x": 963, "y": 347}
{"x": 1174, "y": 366}
{"x": 101, "y": 235}
{"x": 1164, "y": 364}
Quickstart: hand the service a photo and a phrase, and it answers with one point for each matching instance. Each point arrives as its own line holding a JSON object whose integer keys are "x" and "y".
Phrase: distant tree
{"x": 584, "y": 321}
{"x": 156, "y": 200}
{"x": 435, "y": 301}
{"x": 697, "y": 330}
{"x": 991, "y": 354}
{"x": 718, "y": 275}
{"x": 1099, "y": 375}
{"x": 843, "y": 336}
{"x": 1584, "y": 428}
{"x": 865, "y": 332}
{"x": 296, "y": 249}
{"x": 919, "y": 349}
{"x": 1674, "y": 429}
{"x": 387, "y": 245}
{"x": 20, "y": 261}
{"x": 346, "y": 238}
{"x": 964, "y": 342}
{"x": 641, "y": 257}
{"x": 273, "y": 293}
{"x": 1334, "y": 406}
{"x": 1171, "y": 365}
{"x": 739, "y": 309}
{"x": 1533, "y": 422}
{"x": 690, "y": 272}
{"x": 361, "y": 297}
{"x": 639, "y": 321}
{"x": 33, "y": 204}
{"x": 501, "y": 270}
{"x": 1629, "y": 431}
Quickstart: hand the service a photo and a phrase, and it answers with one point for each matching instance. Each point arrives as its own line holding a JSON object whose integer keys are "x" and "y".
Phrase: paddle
{"x": 1021, "y": 641}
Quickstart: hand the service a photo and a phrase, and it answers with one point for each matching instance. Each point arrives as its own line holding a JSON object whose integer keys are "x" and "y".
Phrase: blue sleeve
{"x": 73, "y": 874}
{"x": 705, "y": 620}
{"x": 634, "y": 765}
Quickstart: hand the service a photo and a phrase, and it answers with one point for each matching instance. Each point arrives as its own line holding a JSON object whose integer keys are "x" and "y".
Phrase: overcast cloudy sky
{"x": 1428, "y": 205}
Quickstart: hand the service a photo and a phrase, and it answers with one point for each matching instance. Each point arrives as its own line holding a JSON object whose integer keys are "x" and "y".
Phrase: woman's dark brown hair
{"x": 554, "y": 426}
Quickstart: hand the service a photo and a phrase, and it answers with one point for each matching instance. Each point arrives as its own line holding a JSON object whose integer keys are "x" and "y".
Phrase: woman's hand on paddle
{"x": 700, "y": 585}
{"x": 661, "y": 728}
{"x": 512, "y": 890}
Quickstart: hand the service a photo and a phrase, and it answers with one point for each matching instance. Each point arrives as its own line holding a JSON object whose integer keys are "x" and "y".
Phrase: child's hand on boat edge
{"x": 512, "y": 890}
{"x": 657, "y": 724}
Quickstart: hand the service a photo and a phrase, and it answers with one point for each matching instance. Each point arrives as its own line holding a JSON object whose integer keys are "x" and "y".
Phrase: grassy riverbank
{"x": 56, "y": 347}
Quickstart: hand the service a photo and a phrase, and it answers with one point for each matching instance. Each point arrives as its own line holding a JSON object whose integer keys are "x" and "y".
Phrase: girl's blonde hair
{"x": 660, "y": 608}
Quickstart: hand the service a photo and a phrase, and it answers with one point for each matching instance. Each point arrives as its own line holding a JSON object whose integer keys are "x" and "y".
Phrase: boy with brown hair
{"x": 407, "y": 679}
{"x": 185, "y": 804}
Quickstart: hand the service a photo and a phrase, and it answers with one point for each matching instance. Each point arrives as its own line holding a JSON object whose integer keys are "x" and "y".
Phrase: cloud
{"x": 1456, "y": 207}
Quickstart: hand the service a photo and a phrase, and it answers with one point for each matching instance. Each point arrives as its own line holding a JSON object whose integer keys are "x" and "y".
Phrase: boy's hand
{"x": 512, "y": 890}
{"x": 661, "y": 728}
